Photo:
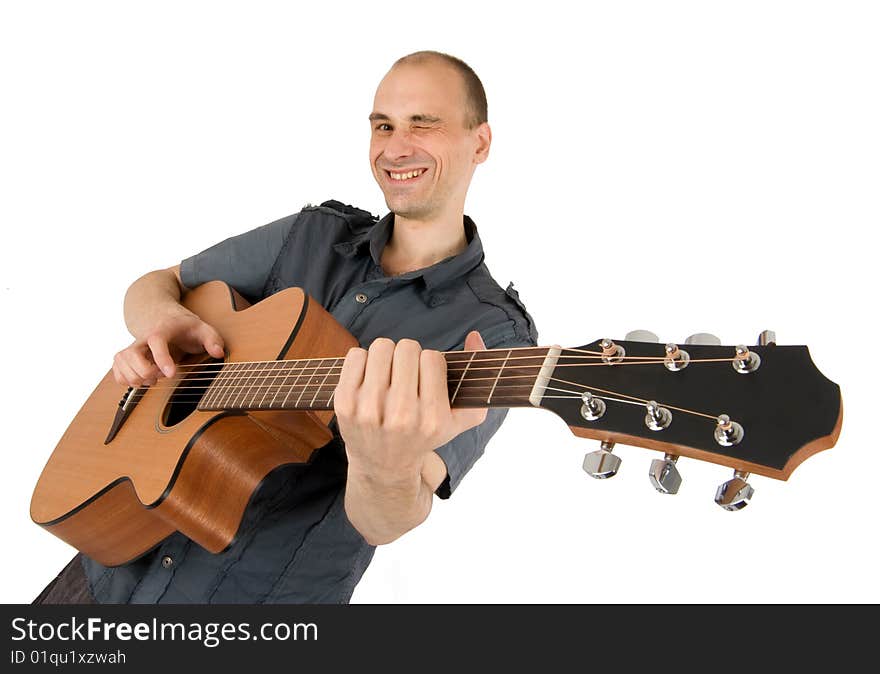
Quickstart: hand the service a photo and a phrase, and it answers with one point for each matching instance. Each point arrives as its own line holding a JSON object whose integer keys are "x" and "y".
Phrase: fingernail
{"x": 167, "y": 371}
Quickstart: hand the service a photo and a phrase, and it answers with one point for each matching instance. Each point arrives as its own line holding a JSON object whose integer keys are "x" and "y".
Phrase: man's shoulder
{"x": 357, "y": 219}
{"x": 487, "y": 291}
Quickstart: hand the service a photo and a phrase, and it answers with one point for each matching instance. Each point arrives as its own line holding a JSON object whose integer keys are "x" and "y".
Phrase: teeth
{"x": 407, "y": 176}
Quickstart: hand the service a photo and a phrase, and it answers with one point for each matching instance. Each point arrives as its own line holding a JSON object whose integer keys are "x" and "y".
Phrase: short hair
{"x": 475, "y": 94}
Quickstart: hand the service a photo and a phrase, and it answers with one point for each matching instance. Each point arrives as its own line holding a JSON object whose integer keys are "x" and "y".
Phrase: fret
{"x": 262, "y": 382}
{"x": 287, "y": 367}
{"x": 321, "y": 386}
{"x": 226, "y": 393}
{"x": 238, "y": 387}
{"x": 211, "y": 392}
{"x": 336, "y": 366}
{"x": 464, "y": 372}
{"x": 317, "y": 374}
{"x": 497, "y": 377}
{"x": 301, "y": 366}
{"x": 254, "y": 383}
{"x": 269, "y": 379}
{"x": 304, "y": 387}
{"x": 483, "y": 385}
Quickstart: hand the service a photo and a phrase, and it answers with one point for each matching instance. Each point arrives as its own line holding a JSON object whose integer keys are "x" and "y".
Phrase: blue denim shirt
{"x": 295, "y": 544}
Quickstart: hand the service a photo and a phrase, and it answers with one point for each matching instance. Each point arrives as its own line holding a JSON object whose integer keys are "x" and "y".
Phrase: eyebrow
{"x": 375, "y": 116}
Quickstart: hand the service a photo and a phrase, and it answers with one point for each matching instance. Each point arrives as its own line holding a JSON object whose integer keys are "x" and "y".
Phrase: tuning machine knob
{"x": 664, "y": 475}
{"x": 703, "y": 338}
{"x": 602, "y": 463}
{"x": 767, "y": 338}
{"x": 735, "y": 494}
{"x": 641, "y": 336}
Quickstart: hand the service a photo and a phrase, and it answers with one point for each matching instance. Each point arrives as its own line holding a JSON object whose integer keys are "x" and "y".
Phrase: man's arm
{"x": 161, "y": 326}
{"x": 392, "y": 407}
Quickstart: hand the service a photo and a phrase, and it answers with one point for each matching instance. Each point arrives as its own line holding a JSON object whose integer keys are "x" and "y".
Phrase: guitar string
{"x": 639, "y": 402}
{"x": 247, "y": 391}
{"x": 592, "y": 355}
{"x": 234, "y": 379}
{"x": 239, "y": 375}
{"x": 233, "y": 389}
{"x": 262, "y": 373}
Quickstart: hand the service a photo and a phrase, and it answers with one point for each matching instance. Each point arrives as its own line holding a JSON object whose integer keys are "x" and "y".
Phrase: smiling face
{"x": 421, "y": 152}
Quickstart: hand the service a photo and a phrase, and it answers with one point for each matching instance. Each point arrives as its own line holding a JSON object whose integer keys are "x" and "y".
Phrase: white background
{"x": 674, "y": 166}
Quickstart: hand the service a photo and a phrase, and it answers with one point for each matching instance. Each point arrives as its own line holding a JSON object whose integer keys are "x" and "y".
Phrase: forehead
{"x": 427, "y": 88}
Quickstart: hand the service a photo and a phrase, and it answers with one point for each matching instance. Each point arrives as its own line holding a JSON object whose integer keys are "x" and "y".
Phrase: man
{"x": 408, "y": 286}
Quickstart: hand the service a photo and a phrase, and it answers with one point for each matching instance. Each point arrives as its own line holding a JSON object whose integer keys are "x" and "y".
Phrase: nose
{"x": 398, "y": 145}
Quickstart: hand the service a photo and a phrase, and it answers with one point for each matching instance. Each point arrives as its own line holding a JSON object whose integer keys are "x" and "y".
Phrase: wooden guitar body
{"x": 160, "y": 473}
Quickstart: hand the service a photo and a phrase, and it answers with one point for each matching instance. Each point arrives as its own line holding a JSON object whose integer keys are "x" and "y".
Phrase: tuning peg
{"x": 593, "y": 407}
{"x": 676, "y": 359}
{"x": 664, "y": 475}
{"x": 611, "y": 352}
{"x": 766, "y": 338}
{"x": 602, "y": 463}
{"x": 703, "y": 338}
{"x": 745, "y": 361}
{"x": 735, "y": 494}
{"x": 657, "y": 417}
{"x": 641, "y": 336}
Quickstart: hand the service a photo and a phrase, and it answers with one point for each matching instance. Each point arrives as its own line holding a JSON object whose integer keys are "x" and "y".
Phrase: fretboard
{"x": 491, "y": 378}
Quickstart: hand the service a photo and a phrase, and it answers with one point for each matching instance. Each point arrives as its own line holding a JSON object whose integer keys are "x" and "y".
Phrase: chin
{"x": 410, "y": 211}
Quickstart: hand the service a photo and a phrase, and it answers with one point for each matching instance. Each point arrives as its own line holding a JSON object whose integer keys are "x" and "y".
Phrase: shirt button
{"x": 167, "y": 562}
{"x": 361, "y": 298}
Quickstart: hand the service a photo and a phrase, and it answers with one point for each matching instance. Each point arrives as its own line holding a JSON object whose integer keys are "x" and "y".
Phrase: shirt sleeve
{"x": 462, "y": 452}
{"x": 243, "y": 261}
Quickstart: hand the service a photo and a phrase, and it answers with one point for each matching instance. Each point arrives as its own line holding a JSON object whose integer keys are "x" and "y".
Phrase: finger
{"x": 129, "y": 376}
{"x": 135, "y": 357}
{"x": 117, "y": 374}
{"x": 464, "y": 418}
{"x": 405, "y": 369}
{"x": 474, "y": 342}
{"x": 161, "y": 354}
{"x": 211, "y": 341}
{"x": 377, "y": 375}
{"x": 433, "y": 391}
{"x": 353, "y": 366}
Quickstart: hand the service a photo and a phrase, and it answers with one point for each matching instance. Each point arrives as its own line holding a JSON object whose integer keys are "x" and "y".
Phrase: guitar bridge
{"x": 126, "y": 405}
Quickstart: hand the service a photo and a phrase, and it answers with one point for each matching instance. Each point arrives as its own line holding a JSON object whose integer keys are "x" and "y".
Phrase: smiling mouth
{"x": 407, "y": 177}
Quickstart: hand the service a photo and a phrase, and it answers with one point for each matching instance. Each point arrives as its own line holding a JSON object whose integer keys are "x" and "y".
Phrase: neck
{"x": 416, "y": 244}
{"x": 490, "y": 378}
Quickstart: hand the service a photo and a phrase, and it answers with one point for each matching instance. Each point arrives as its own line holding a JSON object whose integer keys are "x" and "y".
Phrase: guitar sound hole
{"x": 189, "y": 390}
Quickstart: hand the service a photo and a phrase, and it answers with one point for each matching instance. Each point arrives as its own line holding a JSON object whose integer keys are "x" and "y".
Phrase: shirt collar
{"x": 434, "y": 276}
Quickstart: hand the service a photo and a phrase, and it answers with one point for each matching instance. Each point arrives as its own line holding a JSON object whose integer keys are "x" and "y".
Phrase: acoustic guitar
{"x": 187, "y": 453}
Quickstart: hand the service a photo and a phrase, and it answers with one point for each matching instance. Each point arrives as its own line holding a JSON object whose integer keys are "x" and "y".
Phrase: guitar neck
{"x": 489, "y": 378}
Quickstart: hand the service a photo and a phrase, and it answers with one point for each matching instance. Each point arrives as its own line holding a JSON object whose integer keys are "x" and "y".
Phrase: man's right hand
{"x": 152, "y": 356}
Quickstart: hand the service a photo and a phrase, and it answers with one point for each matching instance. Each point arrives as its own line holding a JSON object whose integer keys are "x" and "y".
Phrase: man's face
{"x": 418, "y": 126}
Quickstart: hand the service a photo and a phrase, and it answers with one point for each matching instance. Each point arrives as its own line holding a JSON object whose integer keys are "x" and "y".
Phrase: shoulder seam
{"x": 515, "y": 329}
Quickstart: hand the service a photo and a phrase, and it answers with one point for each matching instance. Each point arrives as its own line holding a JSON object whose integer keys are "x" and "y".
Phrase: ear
{"x": 484, "y": 141}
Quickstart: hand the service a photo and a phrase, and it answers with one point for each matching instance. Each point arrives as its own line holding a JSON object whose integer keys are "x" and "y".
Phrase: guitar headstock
{"x": 760, "y": 409}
